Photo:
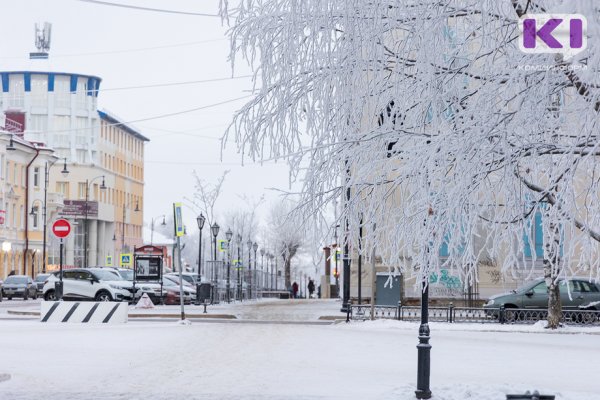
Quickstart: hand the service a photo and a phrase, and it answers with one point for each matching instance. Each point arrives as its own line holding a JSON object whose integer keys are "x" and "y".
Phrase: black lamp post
{"x": 200, "y": 220}
{"x": 228, "y": 236}
{"x": 239, "y": 288}
{"x": 249, "y": 244}
{"x": 424, "y": 348}
{"x": 262, "y": 269}
{"x": 137, "y": 208}
{"x": 65, "y": 173}
{"x": 255, "y": 248}
{"x": 214, "y": 229}
{"x": 163, "y": 223}
{"x": 85, "y": 227}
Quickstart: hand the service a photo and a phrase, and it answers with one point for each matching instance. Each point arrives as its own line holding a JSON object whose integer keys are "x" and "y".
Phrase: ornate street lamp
{"x": 214, "y": 229}
{"x": 255, "y": 248}
{"x": 228, "y": 236}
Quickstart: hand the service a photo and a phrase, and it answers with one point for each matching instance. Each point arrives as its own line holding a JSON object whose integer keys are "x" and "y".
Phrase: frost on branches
{"x": 448, "y": 136}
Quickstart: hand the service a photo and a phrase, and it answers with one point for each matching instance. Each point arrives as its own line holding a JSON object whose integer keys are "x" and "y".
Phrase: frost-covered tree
{"x": 446, "y": 133}
{"x": 285, "y": 233}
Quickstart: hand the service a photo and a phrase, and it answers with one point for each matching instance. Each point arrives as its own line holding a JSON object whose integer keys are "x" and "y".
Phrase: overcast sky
{"x": 130, "y": 48}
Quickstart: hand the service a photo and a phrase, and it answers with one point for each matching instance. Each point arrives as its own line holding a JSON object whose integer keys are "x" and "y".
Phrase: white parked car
{"x": 90, "y": 284}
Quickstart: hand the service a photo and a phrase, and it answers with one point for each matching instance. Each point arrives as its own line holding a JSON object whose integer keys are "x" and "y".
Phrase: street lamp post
{"x": 262, "y": 269}
{"x": 249, "y": 244}
{"x": 228, "y": 236}
{"x": 163, "y": 223}
{"x": 200, "y": 220}
{"x": 424, "y": 348}
{"x": 239, "y": 289}
{"x": 255, "y": 248}
{"x": 85, "y": 233}
{"x": 137, "y": 208}
{"x": 65, "y": 173}
{"x": 214, "y": 229}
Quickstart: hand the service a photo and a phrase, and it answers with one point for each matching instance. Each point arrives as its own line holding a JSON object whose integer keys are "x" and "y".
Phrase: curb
{"x": 138, "y": 315}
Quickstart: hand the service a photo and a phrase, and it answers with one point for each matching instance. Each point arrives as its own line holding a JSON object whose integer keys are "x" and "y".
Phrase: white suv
{"x": 90, "y": 284}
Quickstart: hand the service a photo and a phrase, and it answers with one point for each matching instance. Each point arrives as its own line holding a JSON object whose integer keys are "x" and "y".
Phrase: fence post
{"x": 501, "y": 315}
{"x": 450, "y": 312}
{"x": 399, "y": 311}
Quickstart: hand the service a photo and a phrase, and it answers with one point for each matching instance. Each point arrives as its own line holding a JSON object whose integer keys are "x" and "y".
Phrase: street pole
{"x": 85, "y": 225}
{"x": 180, "y": 277}
{"x": 239, "y": 288}
{"x": 59, "y": 290}
{"x": 424, "y": 348}
{"x": 44, "y": 216}
{"x": 228, "y": 271}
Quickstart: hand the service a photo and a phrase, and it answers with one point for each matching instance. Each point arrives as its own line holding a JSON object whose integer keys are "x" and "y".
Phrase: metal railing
{"x": 453, "y": 314}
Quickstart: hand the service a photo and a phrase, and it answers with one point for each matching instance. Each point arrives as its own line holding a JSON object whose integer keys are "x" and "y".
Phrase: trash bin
{"x": 203, "y": 292}
{"x": 58, "y": 290}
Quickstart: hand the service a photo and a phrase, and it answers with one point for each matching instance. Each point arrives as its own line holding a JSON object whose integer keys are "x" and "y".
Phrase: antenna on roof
{"x": 42, "y": 41}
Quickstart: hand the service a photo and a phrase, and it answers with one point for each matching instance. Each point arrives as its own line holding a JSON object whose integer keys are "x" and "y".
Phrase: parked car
{"x": 172, "y": 292}
{"x": 584, "y": 295}
{"x": 97, "y": 284}
{"x": 189, "y": 277}
{"x": 19, "y": 286}
{"x": 40, "y": 280}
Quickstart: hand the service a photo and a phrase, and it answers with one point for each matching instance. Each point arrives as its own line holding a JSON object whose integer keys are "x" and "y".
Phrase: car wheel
{"x": 9, "y": 297}
{"x": 25, "y": 295}
{"x": 103, "y": 296}
{"x": 50, "y": 296}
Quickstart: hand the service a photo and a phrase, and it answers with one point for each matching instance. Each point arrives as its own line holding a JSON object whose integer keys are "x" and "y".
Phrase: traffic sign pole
{"x": 58, "y": 289}
{"x": 61, "y": 229}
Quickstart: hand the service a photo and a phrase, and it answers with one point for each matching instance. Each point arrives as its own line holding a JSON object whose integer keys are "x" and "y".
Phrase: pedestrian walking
{"x": 295, "y": 290}
{"x": 311, "y": 288}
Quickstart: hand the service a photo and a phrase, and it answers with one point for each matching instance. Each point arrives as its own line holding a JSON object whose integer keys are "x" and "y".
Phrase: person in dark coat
{"x": 295, "y": 290}
{"x": 311, "y": 288}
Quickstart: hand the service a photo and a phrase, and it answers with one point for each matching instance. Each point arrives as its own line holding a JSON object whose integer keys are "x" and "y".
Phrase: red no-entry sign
{"x": 61, "y": 228}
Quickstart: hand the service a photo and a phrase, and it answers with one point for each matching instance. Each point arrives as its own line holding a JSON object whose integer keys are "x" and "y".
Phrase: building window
{"x": 81, "y": 190}
{"x": 36, "y": 177}
{"x": 62, "y": 91}
{"x": 61, "y": 127}
{"x": 38, "y": 123}
{"x": 63, "y": 188}
{"x": 39, "y": 90}
{"x": 16, "y": 91}
{"x": 35, "y": 216}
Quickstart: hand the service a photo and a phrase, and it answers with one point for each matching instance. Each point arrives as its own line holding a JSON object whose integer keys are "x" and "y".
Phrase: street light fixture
{"x": 85, "y": 227}
{"x": 136, "y": 209}
{"x": 238, "y": 291}
{"x": 228, "y": 236}
{"x": 255, "y": 248}
{"x": 262, "y": 268}
{"x": 163, "y": 223}
{"x": 214, "y": 229}
{"x": 200, "y": 219}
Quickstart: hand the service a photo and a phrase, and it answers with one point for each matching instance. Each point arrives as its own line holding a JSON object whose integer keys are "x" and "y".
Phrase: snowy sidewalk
{"x": 362, "y": 360}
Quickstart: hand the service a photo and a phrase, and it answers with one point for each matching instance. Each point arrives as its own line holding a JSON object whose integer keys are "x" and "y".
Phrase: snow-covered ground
{"x": 232, "y": 360}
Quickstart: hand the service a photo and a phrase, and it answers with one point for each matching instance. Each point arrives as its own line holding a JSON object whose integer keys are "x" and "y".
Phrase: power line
{"x": 152, "y": 118}
{"x": 106, "y": 3}
{"x": 173, "y": 83}
{"x": 139, "y": 49}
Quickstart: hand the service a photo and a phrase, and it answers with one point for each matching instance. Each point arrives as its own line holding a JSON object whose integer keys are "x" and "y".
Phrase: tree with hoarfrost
{"x": 446, "y": 134}
{"x": 286, "y": 234}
